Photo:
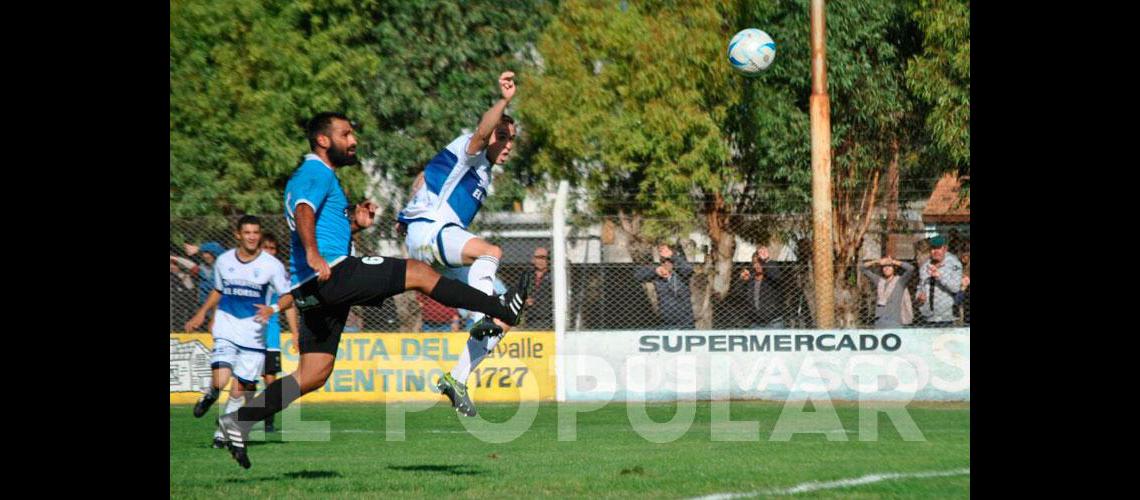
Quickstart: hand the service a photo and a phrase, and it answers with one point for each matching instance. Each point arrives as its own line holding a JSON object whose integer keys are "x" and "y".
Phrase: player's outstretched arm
{"x": 264, "y": 312}
{"x": 200, "y": 316}
{"x": 491, "y": 117}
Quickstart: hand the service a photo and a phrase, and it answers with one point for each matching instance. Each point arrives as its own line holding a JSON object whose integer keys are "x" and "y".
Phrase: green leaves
{"x": 940, "y": 77}
{"x": 244, "y": 77}
{"x": 632, "y": 104}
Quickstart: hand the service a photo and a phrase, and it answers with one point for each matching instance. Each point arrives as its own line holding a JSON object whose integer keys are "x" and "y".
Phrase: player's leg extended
{"x": 313, "y": 370}
{"x": 453, "y": 293}
{"x": 482, "y": 256}
{"x": 221, "y": 365}
{"x": 238, "y": 393}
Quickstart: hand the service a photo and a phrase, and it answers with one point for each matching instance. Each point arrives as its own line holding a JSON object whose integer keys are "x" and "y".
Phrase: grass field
{"x": 609, "y": 459}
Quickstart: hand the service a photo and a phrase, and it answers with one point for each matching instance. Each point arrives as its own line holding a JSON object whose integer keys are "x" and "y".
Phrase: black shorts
{"x": 354, "y": 281}
{"x": 272, "y": 363}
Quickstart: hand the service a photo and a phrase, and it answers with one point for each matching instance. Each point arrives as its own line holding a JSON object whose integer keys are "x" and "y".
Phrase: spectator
{"x": 539, "y": 306}
{"x": 964, "y": 299}
{"x": 892, "y": 299}
{"x": 939, "y": 280}
{"x": 354, "y": 323}
{"x": 182, "y": 294}
{"x": 670, "y": 280}
{"x": 762, "y": 286}
{"x": 437, "y": 317}
{"x": 201, "y": 269}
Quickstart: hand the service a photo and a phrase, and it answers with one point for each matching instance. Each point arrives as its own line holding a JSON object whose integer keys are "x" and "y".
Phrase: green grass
{"x": 609, "y": 459}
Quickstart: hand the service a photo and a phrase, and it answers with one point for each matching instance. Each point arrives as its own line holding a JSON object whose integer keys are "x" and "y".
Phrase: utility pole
{"x": 822, "y": 250}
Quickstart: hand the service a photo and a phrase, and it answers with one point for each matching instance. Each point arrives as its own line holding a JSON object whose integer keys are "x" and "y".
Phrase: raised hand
{"x": 507, "y": 84}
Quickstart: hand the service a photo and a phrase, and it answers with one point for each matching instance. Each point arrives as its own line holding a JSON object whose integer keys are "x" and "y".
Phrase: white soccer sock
{"x": 232, "y": 405}
{"x": 474, "y": 354}
{"x": 481, "y": 277}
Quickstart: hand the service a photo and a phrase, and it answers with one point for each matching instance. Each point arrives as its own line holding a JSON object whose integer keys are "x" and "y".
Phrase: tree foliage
{"x": 246, "y": 74}
{"x": 631, "y": 102}
{"x": 940, "y": 77}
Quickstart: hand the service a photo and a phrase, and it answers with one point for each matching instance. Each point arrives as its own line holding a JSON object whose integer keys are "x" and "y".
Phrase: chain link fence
{"x": 617, "y": 277}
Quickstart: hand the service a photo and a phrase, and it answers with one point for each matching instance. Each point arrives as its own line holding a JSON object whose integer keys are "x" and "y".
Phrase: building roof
{"x": 945, "y": 206}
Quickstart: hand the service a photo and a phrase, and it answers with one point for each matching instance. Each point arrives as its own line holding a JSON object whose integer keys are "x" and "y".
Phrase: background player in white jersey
{"x": 447, "y": 195}
{"x": 244, "y": 279}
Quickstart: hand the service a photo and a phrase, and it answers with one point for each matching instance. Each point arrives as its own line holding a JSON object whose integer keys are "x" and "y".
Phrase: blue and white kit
{"x": 239, "y": 340}
{"x": 455, "y": 186}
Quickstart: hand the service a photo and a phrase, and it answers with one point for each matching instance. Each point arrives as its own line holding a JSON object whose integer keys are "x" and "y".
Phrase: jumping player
{"x": 447, "y": 196}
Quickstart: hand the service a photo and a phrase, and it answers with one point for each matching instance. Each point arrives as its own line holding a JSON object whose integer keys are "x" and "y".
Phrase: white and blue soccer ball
{"x": 751, "y": 51}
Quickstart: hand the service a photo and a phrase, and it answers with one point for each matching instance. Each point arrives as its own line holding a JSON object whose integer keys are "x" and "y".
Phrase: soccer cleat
{"x": 219, "y": 443}
{"x": 203, "y": 405}
{"x": 515, "y": 300}
{"x": 457, "y": 393}
{"x": 236, "y": 433}
{"x": 486, "y": 327}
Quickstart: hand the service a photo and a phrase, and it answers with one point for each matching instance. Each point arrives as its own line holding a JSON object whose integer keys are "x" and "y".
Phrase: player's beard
{"x": 341, "y": 157}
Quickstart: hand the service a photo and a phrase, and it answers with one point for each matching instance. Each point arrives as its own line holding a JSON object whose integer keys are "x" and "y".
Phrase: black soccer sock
{"x": 453, "y": 293}
{"x": 279, "y": 395}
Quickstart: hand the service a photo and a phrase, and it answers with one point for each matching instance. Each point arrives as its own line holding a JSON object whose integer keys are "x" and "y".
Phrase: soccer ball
{"x": 750, "y": 51}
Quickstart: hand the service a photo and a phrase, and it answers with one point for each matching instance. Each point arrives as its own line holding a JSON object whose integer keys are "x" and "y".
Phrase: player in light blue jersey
{"x": 245, "y": 279}
{"x": 447, "y": 195}
{"x": 327, "y": 280}
{"x": 273, "y": 336}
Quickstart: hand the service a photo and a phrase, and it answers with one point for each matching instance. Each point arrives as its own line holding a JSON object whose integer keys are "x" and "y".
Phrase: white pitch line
{"x": 841, "y": 483}
{"x": 371, "y": 431}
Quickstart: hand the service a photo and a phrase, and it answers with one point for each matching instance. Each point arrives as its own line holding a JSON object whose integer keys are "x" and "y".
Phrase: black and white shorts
{"x": 366, "y": 281}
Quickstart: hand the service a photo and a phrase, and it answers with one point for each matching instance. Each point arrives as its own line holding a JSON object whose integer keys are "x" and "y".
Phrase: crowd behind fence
{"x": 617, "y": 280}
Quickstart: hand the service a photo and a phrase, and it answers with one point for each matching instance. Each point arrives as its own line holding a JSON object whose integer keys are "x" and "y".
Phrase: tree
{"x": 940, "y": 77}
{"x": 244, "y": 76}
{"x": 631, "y": 102}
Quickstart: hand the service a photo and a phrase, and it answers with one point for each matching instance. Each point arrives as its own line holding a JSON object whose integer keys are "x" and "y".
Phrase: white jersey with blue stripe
{"x": 455, "y": 185}
{"x": 243, "y": 285}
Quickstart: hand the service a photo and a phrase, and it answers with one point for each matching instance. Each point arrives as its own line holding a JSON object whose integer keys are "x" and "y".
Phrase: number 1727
{"x": 500, "y": 377}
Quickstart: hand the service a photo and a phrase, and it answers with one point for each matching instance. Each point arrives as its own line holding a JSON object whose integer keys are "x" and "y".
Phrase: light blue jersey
{"x": 273, "y": 328}
{"x": 455, "y": 185}
{"x": 315, "y": 184}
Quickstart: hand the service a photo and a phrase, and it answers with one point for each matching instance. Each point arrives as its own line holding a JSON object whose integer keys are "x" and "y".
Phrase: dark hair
{"x": 247, "y": 219}
{"x": 320, "y": 124}
{"x": 268, "y": 237}
{"x": 503, "y": 130}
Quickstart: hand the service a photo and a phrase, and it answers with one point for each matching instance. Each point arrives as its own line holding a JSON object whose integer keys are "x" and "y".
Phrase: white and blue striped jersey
{"x": 455, "y": 185}
{"x": 243, "y": 285}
